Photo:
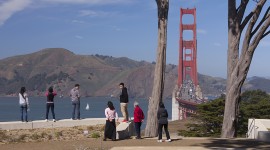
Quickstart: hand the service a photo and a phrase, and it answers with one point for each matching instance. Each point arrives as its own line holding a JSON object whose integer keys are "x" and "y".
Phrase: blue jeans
{"x": 23, "y": 110}
{"x": 76, "y": 107}
{"x": 48, "y": 106}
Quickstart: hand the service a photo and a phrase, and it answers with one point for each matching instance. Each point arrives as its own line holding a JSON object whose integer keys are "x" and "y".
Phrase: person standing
{"x": 124, "y": 101}
{"x": 24, "y": 103}
{"x": 50, "y": 103}
{"x": 162, "y": 116}
{"x": 138, "y": 119}
{"x": 110, "y": 126}
{"x": 75, "y": 100}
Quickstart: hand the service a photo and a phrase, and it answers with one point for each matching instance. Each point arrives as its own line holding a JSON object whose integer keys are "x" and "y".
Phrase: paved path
{"x": 144, "y": 144}
{"x": 175, "y": 148}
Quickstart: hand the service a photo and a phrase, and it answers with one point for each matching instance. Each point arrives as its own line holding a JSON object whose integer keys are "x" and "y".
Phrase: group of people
{"x": 110, "y": 112}
{"x": 112, "y": 117}
{"x": 50, "y": 94}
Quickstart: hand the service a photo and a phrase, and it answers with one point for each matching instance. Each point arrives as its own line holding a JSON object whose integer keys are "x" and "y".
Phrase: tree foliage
{"x": 208, "y": 120}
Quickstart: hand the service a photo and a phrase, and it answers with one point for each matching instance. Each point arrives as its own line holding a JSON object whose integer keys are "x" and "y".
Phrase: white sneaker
{"x": 168, "y": 140}
{"x": 46, "y": 120}
{"x": 159, "y": 141}
{"x": 53, "y": 120}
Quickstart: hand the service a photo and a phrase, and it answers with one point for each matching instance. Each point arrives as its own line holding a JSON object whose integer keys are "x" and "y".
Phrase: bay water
{"x": 10, "y": 110}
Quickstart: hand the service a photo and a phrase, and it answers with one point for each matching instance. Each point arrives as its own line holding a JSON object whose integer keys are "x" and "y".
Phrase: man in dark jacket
{"x": 124, "y": 101}
{"x": 162, "y": 116}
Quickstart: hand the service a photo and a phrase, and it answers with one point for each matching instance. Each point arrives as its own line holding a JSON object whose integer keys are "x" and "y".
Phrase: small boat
{"x": 87, "y": 107}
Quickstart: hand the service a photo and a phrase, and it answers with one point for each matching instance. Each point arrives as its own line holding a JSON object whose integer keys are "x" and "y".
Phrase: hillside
{"x": 98, "y": 75}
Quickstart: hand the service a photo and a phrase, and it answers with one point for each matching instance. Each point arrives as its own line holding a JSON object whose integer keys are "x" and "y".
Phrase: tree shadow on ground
{"x": 234, "y": 144}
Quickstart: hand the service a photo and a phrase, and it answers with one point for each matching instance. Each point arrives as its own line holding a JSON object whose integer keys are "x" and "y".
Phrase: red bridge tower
{"x": 188, "y": 50}
{"x": 188, "y": 92}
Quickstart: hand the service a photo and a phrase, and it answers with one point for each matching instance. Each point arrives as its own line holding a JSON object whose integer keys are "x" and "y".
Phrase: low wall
{"x": 258, "y": 129}
{"x": 50, "y": 124}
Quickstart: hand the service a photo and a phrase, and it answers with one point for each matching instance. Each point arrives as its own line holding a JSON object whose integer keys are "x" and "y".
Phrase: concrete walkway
{"x": 50, "y": 124}
{"x": 177, "y": 148}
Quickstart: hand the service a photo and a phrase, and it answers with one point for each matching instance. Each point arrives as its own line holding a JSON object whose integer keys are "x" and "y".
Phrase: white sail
{"x": 87, "y": 107}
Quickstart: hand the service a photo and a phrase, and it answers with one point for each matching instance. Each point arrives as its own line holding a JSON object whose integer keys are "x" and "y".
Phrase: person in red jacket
{"x": 138, "y": 119}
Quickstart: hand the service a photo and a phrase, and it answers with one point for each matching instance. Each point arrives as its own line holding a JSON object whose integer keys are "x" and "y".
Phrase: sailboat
{"x": 87, "y": 107}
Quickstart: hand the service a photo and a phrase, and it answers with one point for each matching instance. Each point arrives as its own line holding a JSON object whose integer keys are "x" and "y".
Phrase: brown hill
{"x": 98, "y": 75}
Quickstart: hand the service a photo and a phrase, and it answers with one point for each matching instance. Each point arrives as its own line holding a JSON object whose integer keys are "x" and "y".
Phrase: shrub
{"x": 95, "y": 135}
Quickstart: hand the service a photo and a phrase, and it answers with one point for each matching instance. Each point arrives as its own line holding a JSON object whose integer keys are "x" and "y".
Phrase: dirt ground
{"x": 74, "y": 139}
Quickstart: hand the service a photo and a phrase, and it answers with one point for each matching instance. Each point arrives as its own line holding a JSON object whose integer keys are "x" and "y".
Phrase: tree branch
{"x": 260, "y": 34}
{"x": 261, "y": 22}
{"x": 248, "y": 35}
{"x": 265, "y": 34}
{"x": 246, "y": 20}
{"x": 241, "y": 10}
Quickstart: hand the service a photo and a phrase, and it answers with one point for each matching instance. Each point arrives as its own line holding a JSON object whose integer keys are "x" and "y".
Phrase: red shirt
{"x": 138, "y": 114}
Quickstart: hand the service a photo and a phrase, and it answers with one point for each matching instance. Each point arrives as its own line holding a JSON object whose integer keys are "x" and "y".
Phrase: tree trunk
{"x": 238, "y": 67}
{"x": 159, "y": 76}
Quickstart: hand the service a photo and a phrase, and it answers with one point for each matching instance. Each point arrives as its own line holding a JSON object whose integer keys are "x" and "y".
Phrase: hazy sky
{"x": 120, "y": 28}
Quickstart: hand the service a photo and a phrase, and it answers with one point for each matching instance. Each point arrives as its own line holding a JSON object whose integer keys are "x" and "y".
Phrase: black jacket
{"x": 124, "y": 95}
{"x": 162, "y": 116}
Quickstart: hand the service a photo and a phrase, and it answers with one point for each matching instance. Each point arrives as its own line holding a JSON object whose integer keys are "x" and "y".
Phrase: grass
{"x": 45, "y": 134}
{"x": 95, "y": 135}
{"x": 3, "y": 136}
{"x": 58, "y": 134}
{"x": 90, "y": 128}
{"x": 35, "y": 136}
{"x": 22, "y": 137}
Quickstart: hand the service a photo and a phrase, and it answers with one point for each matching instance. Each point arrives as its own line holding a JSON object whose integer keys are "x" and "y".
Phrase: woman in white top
{"x": 110, "y": 127}
{"x": 24, "y": 103}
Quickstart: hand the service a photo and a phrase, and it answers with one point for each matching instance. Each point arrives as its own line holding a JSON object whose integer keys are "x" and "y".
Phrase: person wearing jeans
{"x": 162, "y": 116}
{"x": 50, "y": 103}
{"x": 124, "y": 101}
{"x": 138, "y": 119}
{"x": 76, "y": 107}
{"x": 24, "y": 104}
{"x": 75, "y": 99}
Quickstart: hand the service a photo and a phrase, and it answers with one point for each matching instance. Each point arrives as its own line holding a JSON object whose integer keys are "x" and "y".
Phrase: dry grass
{"x": 55, "y": 134}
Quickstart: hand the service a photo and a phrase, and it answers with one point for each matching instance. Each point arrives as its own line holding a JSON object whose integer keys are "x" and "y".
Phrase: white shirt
{"x": 23, "y": 101}
{"x": 111, "y": 114}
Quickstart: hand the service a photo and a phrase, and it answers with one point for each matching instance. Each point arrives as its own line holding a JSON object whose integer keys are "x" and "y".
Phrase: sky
{"x": 120, "y": 28}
